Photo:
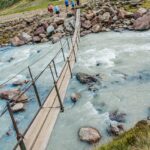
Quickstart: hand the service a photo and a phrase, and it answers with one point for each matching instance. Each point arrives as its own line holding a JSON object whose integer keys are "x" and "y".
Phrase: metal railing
{"x": 72, "y": 45}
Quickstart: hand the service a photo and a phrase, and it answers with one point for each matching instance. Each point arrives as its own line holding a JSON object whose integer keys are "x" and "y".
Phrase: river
{"x": 124, "y": 66}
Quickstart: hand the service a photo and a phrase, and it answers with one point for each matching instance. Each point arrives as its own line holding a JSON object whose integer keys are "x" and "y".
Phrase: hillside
{"x": 17, "y": 6}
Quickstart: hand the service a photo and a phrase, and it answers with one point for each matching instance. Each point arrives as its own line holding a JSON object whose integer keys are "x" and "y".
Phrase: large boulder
{"x": 59, "y": 20}
{"x": 36, "y": 39}
{"x": 142, "y": 23}
{"x": 16, "y": 41}
{"x": 86, "y": 24}
{"x": 18, "y": 107}
{"x": 56, "y": 37}
{"x": 83, "y": 33}
{"x": 96, "y": 28}
{"x": 90, "y": 16}
{"x": 69, "y": 24}
{"x": 89, "y": 134}
{"x": 13, "y": 95}
{"x": 39, "y": 30}
{"x": 85, "y": 78}
{"x": 106, "y": 17}
{"x": 26, "y": 37}
{"x": 50, "y": 29}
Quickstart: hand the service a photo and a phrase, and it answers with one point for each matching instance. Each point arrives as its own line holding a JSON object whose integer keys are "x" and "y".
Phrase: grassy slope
{"x": 26, "y": 5}
{"x": 137, "y": 138}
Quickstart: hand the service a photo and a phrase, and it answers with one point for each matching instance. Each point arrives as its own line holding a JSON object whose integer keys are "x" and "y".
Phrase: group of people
{"x": 55, "y": 9}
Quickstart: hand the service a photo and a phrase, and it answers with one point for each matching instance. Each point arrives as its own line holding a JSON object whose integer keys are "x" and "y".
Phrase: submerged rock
{"x": 20, "y": 83}
{"x": 89, "y": 134}
{"x": 18, "y": 107}
{"x": 75, "y": 97}
{"x": 116, "y": 116}
{"x": 85, "y": 78}
{"x": 115, "y": 129}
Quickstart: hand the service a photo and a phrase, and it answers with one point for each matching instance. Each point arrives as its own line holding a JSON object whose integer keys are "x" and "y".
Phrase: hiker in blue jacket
{"x": 57, "y": 10}
{"x": 67, "y": 4}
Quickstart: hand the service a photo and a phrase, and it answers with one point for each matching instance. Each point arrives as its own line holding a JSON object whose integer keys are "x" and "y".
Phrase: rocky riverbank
{"x": 102, "y": 17}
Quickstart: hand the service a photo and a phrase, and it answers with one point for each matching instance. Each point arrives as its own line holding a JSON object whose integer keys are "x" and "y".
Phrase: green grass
{"x": 28, "y": 5}
{"x": 137, "y": 138}
{"x": 145, "y": 4}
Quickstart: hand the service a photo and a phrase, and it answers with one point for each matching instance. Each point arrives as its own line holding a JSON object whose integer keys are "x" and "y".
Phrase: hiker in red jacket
{"x": 50, "y": 9}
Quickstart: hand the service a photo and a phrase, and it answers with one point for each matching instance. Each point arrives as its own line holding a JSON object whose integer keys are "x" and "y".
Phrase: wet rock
{"x": 90, "y": 16}
{"x": 26, "y": 37}
{"x": 59, "y": 20}
{"x": 83, "y": 33}
{"x": 44, "y": 40}
{"x": 142, "y": 23}
{"x": 86, "y": 24}
{"x": 142, "y": 11}
{"x": 16, "y": 41}
{"x": 96, "y": 28}
{"x": 36, "y": 39}
{"x": 50, "y": 29}
{"x": 105, "y": 17}
{"x": 13, "y": 95}
{"x": 20, "y": 83}
{"x": 115, "y": 129}
{"x": 75, "y": 97}
{"x": 39, "y": 30}
{"x": 89, "y": 134}
{"x": 85, "y": 78}
{"x": 18, "y": 107}
{"x": 10, "y": 59}
{"x": 56, "y": 37}
{"x": 116, "y": 116}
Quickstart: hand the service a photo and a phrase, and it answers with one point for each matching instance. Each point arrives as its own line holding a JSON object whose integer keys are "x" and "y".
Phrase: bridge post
{"x": 62, "y": 50}
{"x": 69, "y": 66}
{"x": 19, "y": 136}
{"x": 68, "y": 43}
{"x": 35, "y": 88}
{"x": 59, "y": 98}
{"x": 74, "y": 53}
{"x": 55, "y": 68}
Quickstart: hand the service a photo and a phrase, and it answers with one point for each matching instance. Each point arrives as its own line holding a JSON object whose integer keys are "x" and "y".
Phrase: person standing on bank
{"x": 57, "y": 10}
{"x": 50, "y": 9}
{"x": 67, "y": 5}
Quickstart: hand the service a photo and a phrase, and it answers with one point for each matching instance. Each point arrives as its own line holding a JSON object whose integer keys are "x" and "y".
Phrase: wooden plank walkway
{"x": 37, "y": 136}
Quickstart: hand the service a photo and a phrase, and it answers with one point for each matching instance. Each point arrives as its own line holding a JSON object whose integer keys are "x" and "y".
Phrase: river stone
{"x": 142, "y": 23}
{"x": 18, "y": 107}
{"x": 90, "y": 16}
{"x": 86, "y": 24}
{"x": 59, "y": 20}
{"x": 39, "y": 30}
{"x": 96, "y": 28}
{"x": 19, "y": 83}
{"x": 13, "y": 95}
{"x": 89, "y": 134}
{"x": 106, "y": 17}
{"x": 26, "y": 37}
{"x": 36, "y": 39}
{"x": 16, "y": 41}
{"x": 75, "y": 97}
{"x": 50, "y": 30}
{"x": 85, "y": 78}
{"x": 83, "y": 33}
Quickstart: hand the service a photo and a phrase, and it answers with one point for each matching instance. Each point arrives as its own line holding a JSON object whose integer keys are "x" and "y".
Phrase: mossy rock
{"x": 137, "y": 138}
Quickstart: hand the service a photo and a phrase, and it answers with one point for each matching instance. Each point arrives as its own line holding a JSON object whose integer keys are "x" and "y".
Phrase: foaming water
{"x": 122, "y": 60}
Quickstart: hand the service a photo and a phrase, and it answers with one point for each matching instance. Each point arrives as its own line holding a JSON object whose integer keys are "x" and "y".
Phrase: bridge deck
{"x": 38, "y": 134}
